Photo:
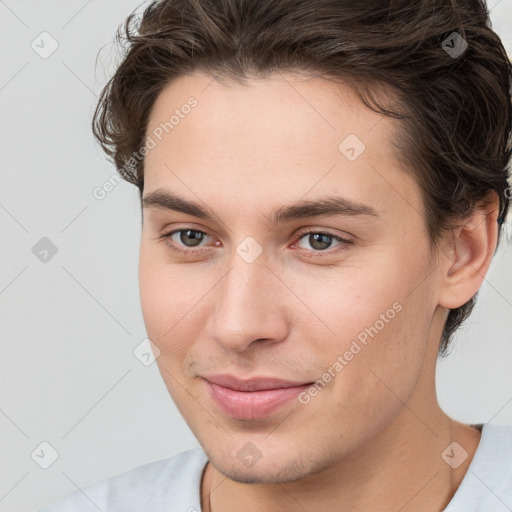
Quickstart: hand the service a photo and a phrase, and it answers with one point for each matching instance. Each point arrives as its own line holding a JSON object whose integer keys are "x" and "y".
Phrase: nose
{"x": 249, "y": 306}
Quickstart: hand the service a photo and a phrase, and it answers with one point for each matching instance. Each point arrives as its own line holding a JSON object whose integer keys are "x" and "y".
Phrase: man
{"x": 323, "y": 184}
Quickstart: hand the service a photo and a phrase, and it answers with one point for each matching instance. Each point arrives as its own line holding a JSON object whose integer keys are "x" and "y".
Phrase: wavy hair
{"x": 446, "y": 68}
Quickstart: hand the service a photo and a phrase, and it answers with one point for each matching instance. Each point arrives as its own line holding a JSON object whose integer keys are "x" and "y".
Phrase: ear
{"x": 468, "y": 253}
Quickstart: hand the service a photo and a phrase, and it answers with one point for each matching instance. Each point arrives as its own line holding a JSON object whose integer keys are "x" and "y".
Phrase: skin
{"x": 372, "y": 438}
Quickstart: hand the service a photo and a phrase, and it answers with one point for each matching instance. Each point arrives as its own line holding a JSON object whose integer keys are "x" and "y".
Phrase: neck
{"x": 399, "y": 469}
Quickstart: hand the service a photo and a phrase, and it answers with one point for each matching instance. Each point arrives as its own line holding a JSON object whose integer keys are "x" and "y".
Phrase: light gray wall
{"x": 69, "y": 325}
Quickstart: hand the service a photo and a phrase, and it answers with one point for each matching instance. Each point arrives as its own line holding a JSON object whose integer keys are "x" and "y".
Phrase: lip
{"x": 251, "y": 399}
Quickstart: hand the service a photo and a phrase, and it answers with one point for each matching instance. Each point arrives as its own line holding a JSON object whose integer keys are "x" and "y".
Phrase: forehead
{"x": 276, "y": 139}
{"x": 311, "y": 109}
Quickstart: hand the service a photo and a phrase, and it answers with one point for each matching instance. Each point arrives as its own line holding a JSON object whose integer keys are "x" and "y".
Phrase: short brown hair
{"x": 442, "y": 61}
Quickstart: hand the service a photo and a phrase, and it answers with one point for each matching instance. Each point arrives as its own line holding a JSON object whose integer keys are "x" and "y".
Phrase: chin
{"x": 265, "y": 472}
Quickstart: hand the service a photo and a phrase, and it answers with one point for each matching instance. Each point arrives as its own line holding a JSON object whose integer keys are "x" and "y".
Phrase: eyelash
{"x": 318, "y": 253}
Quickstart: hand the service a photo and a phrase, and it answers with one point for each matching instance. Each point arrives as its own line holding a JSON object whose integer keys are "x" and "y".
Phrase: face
{"x": 336, "y": 303}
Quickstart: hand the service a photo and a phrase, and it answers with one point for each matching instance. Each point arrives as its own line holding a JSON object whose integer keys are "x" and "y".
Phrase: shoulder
{"x": 152, "y": 487}
{"x": 494, "y": 450}
{"x": 487, "y": 484}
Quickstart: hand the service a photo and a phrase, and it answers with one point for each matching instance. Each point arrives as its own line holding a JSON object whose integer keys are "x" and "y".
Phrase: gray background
{"x": 69, "y": 325}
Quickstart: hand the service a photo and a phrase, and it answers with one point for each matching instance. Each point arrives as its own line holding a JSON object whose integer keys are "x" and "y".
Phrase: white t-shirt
{"x": 173, "y": 484}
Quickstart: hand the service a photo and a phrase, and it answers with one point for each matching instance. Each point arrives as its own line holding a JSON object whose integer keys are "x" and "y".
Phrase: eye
{"x": 321, "y": 241}
{"x": 179, "y": 239}
{"x": 187, "y": 241}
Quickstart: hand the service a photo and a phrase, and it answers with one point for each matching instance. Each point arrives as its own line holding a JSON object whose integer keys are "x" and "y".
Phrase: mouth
{"x": 254, "y": 398}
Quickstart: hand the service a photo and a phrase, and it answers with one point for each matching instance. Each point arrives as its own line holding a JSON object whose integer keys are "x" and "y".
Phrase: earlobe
{"x": 471, "y": 248}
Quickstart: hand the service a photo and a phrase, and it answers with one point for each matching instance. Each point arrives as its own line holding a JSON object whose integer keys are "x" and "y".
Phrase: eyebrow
{"x": 327, "y": 206}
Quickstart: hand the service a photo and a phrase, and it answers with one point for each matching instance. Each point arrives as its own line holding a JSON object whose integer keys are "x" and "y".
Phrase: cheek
{"x": 352, "y": 302}
{"x": 162, "y": 301}
{"x": 373, "y": 387}
{"x": 173, "y": 300}
{"x": 153, "y": 290}
{"x": 164, "y": 293}
{"x": 378, "y": 326}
